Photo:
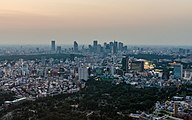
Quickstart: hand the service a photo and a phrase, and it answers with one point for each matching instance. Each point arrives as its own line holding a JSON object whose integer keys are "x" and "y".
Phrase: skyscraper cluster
{"x": 111, "y": 47}
{"x": 54, "y": 47}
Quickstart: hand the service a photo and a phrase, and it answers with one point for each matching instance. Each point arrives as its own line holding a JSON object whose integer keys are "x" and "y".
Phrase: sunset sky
{"x": 134, "y": 22}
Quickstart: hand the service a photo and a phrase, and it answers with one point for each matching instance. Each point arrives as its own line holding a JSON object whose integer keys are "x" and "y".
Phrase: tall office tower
{"x": 120, "y": 46}
{"x": 104, "y": 47}
{"x": 95, "y": 43}
{"x": 59, "y": 49}
{"x": 99, "y": 47}
{"x": 53, "y": 45}
{"x": 125, "y": 64}
{"x": 115, "y": 47}
{"x": 75, "y": 46}
{"x": 125, "y": 48}
{"x": 111, "y": 47}
{"x": 90, "y": 48}
{"x": 166, "y": 73}
{"x": 108, "y": 48}
{"x": 83, "y": 73}
{"x": 178, "y": 71}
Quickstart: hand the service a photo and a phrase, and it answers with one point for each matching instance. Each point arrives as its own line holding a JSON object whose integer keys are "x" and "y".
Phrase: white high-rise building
{"x": 112, "y": 70}
{"x": 188, "y": 74}
{"x": 83, "y": 73}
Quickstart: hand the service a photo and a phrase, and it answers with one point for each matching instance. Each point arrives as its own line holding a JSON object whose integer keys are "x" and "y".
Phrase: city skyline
{"x": 133, "y": 22}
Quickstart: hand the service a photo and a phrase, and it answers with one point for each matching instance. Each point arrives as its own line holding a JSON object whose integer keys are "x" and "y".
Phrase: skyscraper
{"x": 83, "y": 73}
{"x": 188, "y": 74}
{"x": 95, "y": 44}
{"x": 120, "y": 46}
{"x": 111, "y": 47}
{"x": 59, "y": 49}
{"x": 178, "y": 71}
{"x": 115, "y": 47}
{"x": 99, "y": 47}
{"x": 53, "y": 45}
{"x": 75, "y": 46}
{"x": 125, "y": 64}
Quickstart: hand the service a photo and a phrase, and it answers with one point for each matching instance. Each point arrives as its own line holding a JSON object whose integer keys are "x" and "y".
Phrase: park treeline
{"x": 100, "y": 100}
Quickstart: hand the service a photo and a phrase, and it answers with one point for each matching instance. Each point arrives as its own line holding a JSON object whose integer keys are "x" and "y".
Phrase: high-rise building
{"x": 25, "y": 69}
{"x": 83, "y": 73}
{"x": 99, "y": 48}
{"x": 125, "y": 64}
{"x": 75, "y": 46}
{"x": 125, "y": 48}
{"x": 59, "y": 49}
{"x": 95, "y": 44}
{"x": 178, "y": 71}
{"x": 188, "y": 74}
{"x": 120, "y": 46}
{"x": 53, "y": 45}
{"x": 166, "y": 73}
{"x": 115, "y": 47}
{"x": 108, "y": 48}
{"x": 90, "y": 48}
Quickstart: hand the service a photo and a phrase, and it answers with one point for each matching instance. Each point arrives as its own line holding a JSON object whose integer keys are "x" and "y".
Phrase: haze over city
{"x": 136, "y": 22}
{"x": 95, "y": 60}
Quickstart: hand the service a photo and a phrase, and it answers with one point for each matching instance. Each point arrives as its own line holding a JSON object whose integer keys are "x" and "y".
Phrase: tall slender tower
{"x": 95, "y": 44}
{"x": 83, "y": 73}
{"x": 115, "y": 47}
{"x": 53, "y": 45}
{"x": 75, "y": 46}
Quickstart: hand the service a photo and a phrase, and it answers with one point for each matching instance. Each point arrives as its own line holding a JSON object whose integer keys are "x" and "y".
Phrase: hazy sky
{"x": 165, "y": 22}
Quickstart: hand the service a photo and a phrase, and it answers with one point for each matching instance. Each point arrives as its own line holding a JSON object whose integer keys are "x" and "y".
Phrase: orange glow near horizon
{"x": 112, "y": 17}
